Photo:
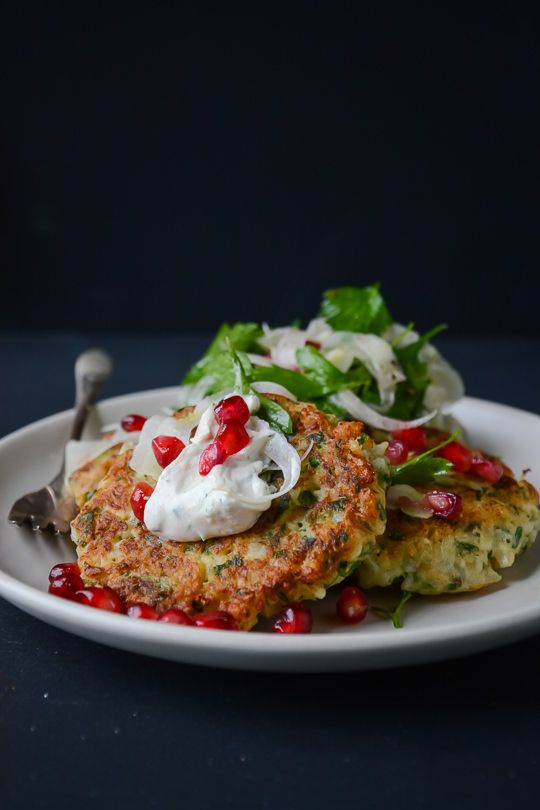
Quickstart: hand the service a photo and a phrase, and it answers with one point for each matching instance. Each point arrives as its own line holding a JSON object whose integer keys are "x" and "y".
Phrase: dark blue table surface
{"x": 87, "y": 726}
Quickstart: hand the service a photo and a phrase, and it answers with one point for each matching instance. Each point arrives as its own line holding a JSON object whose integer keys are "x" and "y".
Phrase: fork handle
{"x": 92, "y": 369}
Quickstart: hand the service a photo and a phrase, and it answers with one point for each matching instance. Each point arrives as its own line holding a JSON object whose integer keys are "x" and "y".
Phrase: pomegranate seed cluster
{"x": 472, "y": 462}
{"x": 405, "y": 444}
{"x": 231, "y": 415}
{"x": 65, "y": 580}
{"x": 411, "y": 441}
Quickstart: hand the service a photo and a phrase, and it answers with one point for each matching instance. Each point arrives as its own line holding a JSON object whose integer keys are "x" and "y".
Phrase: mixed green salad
{"x": 352, "y": 360}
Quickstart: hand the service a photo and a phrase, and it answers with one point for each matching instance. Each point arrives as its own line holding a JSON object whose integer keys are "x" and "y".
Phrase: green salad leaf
{"x": 410, "y": 393}
{"x": 276, "y": 416}
{"x": 320, "y": 370}
{"x": 325, "y": 404}
{"x": 329, "y": 378}
{"x": 419, "y": 472}
{"x": 395, "y": 614}
{"x": 242, "y": 369}
{"x": 298, "y": 384}
{"x": 223, "y": 368}
{"x": 242, "y": 337}
{"x": 356, "y": 309}
{"x": 231, "y": 368}
{"x": 424, "y": 467}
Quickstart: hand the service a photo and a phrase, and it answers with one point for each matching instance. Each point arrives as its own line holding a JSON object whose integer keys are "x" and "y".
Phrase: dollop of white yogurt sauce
{"x": 186, "y": 506}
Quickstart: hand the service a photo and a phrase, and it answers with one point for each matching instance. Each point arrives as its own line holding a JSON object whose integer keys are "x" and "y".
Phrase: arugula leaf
{"x": 418, "y": 472}
{"x": 276, "y": 416}
{"x": 329, "y": 379}
{"x": 399, "y": 337}
{"x": 320, "y": 370}
{"x": 395, "y": 614}
{"x": 325, "y": 404}
{"x": 242, "y": 337}
{"x": 298, "y": 384}
{"x": 414, "y": 368}
{"x": 219, "y": 367}
{"x": 224, "y": 370}
{"x": 242, "y": 369}
{"x": 231, "y": 368}
{"x": 423, "y": 467}
{"x": 358, "y": 376}
{"x": 356, "y": 309}
{"x": 410, "y": 393}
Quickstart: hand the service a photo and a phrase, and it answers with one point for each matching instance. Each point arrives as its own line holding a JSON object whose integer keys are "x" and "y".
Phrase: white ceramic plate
{"x": 434, "y": 628}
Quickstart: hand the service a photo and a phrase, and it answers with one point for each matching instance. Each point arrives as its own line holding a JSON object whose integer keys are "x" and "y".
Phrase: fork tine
{"x": 38, "y": 523}
{"x": 15, "y": 516}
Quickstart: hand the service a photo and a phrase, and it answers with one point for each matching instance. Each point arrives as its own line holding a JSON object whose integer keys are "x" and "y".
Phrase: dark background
{"x": 168, "y": 166}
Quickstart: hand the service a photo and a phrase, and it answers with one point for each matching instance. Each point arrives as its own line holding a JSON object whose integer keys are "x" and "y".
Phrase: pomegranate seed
{"x": 141, "y": 611}
{"x": 102, "y": 598}
{"x": 487, "y": 468}
{"x": 70, "y": 571}
{"x": 352, "y": 605}
{"x": 232, "y": 409}
{"x": 458, "y": 454}
{"x": 210, "y": 456}
{"x": 138, "y": 500}
{"x": 414, "y": 439}
{"x": 216, "y": 620}
{"x": 396, "y": 452}
{"x": 233, "y": 437}
{"x": 297, "y": 618}
{"x": 445, "y": 505}
{"x": 175, "y": 616}
{"x": 63, "y": 586}
{"x": 65, "y": 579}
{"x": 166, "y": 449}
{"x": 133, "y": 422}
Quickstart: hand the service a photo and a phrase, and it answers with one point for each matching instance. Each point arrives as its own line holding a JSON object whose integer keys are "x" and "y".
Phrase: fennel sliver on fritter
{"x": 309, "y": 539}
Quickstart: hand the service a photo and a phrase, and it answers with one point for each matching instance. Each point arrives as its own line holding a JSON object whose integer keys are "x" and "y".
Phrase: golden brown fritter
{"x": 308, "y": 540}
{"x": 436, "y": 556}
{"x": 84, "y": 480}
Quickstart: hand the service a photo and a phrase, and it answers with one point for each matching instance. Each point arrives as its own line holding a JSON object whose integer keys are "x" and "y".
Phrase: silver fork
{"x": 51, "y": 507}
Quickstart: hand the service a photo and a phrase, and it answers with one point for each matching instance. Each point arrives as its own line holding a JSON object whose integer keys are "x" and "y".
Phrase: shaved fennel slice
{"x": 285, "y": 457}
{"x": 305, "y": 454}
{"x": 282, "y": 344}
{"x": 408, "y": 499}
{"x": 358, "y": 409}
{"x": 259, "y": 359}
{"x": 446, "y": 385}
{"x": 266, "y": 387}
{"x": 192, "y": 394}
{"x": 343, "y": 348}
{"x": 78, "y": 453}
{"x": 143, "y": 461}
